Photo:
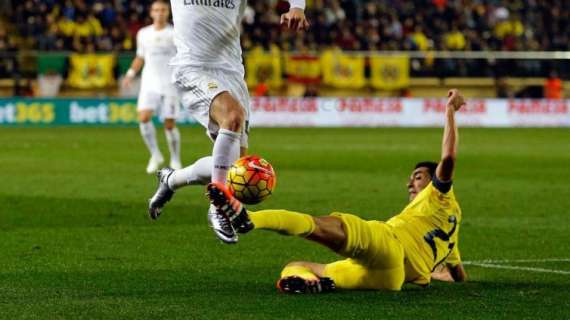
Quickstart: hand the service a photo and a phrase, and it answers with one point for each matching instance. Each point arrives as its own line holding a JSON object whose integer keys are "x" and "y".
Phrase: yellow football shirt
{"x": 428, "y": 229}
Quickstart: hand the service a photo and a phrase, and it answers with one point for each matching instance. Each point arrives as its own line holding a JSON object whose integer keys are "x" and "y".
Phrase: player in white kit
{"x": 155, "y": 49}
{"x": 209, "y": 75}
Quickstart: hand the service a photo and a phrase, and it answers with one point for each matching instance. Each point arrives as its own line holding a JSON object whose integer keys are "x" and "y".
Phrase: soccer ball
{"x": 251, "y": 179}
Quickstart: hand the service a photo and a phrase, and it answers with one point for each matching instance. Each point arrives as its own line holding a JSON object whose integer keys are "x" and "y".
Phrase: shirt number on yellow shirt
{"x": 444, "y": 236}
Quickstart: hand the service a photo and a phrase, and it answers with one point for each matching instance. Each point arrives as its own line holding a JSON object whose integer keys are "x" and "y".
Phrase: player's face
{"x": 419, "y": 179}
{"x": 159, "y": 12}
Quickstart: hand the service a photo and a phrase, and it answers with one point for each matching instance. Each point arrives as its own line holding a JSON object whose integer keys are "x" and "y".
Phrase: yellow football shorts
{"x": 375, "y": 256}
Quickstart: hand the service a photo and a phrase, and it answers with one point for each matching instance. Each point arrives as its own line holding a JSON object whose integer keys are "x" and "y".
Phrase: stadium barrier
{"x": 39, "y": 112}
{"x": 301, "y": 112}
{"x": 382, "y": 70}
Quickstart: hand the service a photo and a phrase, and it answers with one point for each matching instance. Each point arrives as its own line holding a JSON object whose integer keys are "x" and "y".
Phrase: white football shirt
{"x": 157, "y": 48}
{"x": 207, "y": 33}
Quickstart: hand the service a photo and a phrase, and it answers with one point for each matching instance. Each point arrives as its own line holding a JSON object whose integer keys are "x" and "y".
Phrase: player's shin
{"x": 226, "y": 151}
{"x": 283, "y": 221}
{"x": 148, "y": 133}
{"x": 173, "y": 140}
{"x": 199, "y": 173}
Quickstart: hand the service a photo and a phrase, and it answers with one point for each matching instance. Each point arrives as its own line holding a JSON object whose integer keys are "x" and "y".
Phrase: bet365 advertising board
{"x": 301, "y": 112}
{"x": 72, "y": 112}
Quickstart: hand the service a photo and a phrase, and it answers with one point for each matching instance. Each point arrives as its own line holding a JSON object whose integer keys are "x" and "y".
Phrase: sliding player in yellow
{"x": 416, "y": 246}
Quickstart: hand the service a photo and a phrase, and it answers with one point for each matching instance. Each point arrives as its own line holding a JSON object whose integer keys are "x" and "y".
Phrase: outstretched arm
{"x": 445, "y": 168}
{"x": 295, "y": 19}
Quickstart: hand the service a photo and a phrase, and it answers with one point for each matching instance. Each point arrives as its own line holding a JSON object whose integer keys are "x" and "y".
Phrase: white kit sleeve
{"x": 300, "y": 4}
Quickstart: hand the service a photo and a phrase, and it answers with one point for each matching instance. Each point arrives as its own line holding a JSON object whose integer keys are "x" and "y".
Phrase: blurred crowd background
{"x": 106, "y": 25}
{"x": 87, "y": 26}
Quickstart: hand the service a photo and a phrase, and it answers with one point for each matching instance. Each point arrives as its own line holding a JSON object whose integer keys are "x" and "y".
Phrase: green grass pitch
{"x": 75, "y": 241}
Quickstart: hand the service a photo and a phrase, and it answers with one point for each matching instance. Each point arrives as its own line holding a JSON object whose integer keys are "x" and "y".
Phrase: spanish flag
{"x": 303, "y": 68}
{"x": 390, "y": 72}
{"x": 90, "y": 71}
{"x": 264, "y": 67}
{"x": 342, "y": 71}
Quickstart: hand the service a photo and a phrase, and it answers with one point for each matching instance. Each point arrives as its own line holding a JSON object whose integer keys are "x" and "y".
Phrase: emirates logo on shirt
{"x": 226, "y": 4}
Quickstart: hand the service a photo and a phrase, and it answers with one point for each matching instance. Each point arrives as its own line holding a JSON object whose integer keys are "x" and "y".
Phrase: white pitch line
{"x": 519, "y": 260}
{"x": 501, "y": 266}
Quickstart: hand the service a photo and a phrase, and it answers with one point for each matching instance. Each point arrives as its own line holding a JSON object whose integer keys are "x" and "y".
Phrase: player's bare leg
{"x": 329, "y": 231}
{"x": 309, "y": 277}
{"x": 297, "y": 277}
{"x": 173, "y": 139}
{"x": 227, "y": 112}
{"x": 326, "y": 230}
{"x": 148, "y": 133}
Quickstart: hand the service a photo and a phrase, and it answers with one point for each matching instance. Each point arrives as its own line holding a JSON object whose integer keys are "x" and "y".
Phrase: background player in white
{"x": 209, "y": 75}
{"x": 155, "y": 49}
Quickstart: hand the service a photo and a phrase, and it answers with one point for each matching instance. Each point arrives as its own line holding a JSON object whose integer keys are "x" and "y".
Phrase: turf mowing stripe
{"x": 520, "y": 260}
{"x": 501, "y": 266}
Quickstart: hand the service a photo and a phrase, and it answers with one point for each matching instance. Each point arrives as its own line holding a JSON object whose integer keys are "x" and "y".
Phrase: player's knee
{"x": 315, "y": 268}
{"x": 234, "y": 119}
{"x": 330, "y": 232}
{"x": 169, "y": 124}
{"x": 227, "y": 112}
{"x": 144, "y": 117}
{"x": 295, "y": 264}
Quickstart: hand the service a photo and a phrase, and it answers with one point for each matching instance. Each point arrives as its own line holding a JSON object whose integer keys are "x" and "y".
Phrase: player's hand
{"x": 441, "y": 273}
{"x": 126, "y": 82}
{"x": 295, "y": 19}
{"x": 455, "y": 100}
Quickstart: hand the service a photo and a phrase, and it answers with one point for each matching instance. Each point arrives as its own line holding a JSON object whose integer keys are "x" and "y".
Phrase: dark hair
{"x": 165, "y": 2}
{"x": 430, "y": 165}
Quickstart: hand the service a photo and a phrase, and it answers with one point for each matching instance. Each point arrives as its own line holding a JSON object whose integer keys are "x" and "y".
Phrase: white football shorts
{"x": 166, "y": 106}
{"x": 197, "y": 88}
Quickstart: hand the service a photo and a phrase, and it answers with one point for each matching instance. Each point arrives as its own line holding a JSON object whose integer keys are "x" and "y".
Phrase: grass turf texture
{"x": 76, "y": 242}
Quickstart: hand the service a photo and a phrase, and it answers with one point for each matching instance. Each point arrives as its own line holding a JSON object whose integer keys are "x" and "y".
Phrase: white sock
{"x": 199, "y": 173}
{"x": 148, "y": 133}
{"x": 173, "y": 139}
{"x": 225, "y": 153}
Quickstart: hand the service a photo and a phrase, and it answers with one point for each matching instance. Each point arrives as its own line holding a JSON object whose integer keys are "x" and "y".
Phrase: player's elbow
{"x": 448, "y": 158}
{"x": 446, "y": 167}
{"x": 458, "y": 273}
